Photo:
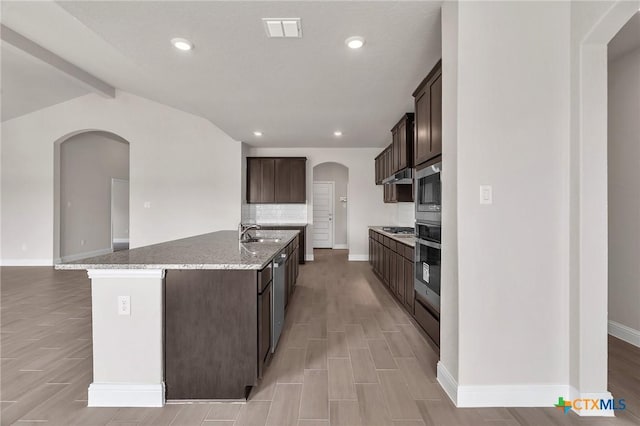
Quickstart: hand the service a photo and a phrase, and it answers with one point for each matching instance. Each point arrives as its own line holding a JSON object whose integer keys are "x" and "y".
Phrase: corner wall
{"x": 624, "y": 192}
{"x": 503, "y": 78}
{"x": 183, "y": 166}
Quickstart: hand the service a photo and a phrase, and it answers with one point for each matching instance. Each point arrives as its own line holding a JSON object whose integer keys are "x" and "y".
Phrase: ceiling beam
{"x": 33, "y": 49}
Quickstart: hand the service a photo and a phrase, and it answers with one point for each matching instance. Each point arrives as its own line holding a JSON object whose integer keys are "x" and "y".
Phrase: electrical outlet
{"x": 82, "y": 242}
{"x": 147, "y": 204}
{"x": 124, "y": 305}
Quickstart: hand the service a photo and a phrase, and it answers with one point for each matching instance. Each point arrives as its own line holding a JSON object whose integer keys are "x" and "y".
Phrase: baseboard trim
{"x": 340, "y": 247}
{"x": 126, "y": 395}
{"x": 510, "y": 395}
{"x": 448, "y": 383}
{"x": 622, "y": 332}
{"x": 358, "y": 257}
{"x": 499, "y": 395}
{"x": 125, "y": 273}
{"x": 575, "y": 394}
{"x": 79, "y": 256}
{"x": 120, "y": 240}
{"x": 308, "y": 258}
{"x": 26, "y": 262}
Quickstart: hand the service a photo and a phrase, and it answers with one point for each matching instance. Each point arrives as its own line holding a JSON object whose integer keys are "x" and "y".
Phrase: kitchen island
{"x": 188, "y": 319}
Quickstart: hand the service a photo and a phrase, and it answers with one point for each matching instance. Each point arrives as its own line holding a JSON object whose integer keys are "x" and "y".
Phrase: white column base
{"x": 126, "y": 395}
{"x": 585, "y": 410}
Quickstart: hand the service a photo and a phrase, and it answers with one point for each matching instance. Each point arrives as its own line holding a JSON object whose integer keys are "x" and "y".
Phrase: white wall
{"x": 624, "y": 190}
{"x": 449, "y": 269}
{"x": 182, "y": 165}
{"x": 511, "y": 125}
{"x": 88, "y": 162}
{"x": 366, "y": 206}
{"x": 120, "y": 210}
{"x": 339, "y": 174}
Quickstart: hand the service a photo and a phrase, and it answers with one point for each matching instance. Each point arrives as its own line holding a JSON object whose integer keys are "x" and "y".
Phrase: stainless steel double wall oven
{"x": 428, "y": 246}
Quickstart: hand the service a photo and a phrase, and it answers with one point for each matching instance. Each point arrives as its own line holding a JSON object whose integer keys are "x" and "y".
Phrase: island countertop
{"x": 216, "y": 250}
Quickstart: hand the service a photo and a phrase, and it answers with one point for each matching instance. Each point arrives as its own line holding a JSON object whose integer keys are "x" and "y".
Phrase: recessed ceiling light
{"x": 355, "y": 42}
{"x": 181, "y": 43}
{"x": 257, "y": 133}
{"x": 337, "y": 133}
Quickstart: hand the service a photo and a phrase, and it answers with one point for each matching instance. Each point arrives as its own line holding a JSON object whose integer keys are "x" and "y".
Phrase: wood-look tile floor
{"x": 349, "y": 355}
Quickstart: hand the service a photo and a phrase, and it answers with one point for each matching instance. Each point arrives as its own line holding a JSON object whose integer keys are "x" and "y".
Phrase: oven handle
{"x": 429, "y": 243}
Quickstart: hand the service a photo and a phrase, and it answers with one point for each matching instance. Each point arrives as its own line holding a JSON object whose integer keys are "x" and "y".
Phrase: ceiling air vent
{"x": 282, "y": 27}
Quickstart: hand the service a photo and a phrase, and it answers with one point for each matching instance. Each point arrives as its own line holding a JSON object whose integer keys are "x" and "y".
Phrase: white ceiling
{"x": 29, "y": 85}
{"x": 627, "y": 39}
{"x": 296, "y": 91}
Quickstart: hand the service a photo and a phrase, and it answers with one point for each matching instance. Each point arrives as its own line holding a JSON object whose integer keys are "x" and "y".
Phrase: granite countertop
{"x": 217, "y": 250}
{"x": 408, "y": 240}
{"x": 283, "y": 224}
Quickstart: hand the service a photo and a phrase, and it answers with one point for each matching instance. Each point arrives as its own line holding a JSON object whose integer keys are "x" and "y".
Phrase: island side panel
{"x": 210, "y": 333}
{"x": 127, "y": 345}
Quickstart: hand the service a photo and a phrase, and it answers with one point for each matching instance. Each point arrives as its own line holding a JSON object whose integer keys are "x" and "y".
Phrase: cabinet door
{"x": 409, "y": 294}
{"x": 400, "y": 275}
{"x": 298, "y": 176}
{"x": 435, "y": 98}
{"x": 264, "y": 327}
{"x": 254, "y": 180}
{"x": 421, "y": 143}
{"x": 385, "y": 265}
{"x": 282, "y": 180}
{"x": 393, "y": 273}
{"x": 402, "y": 145}
{"x": 395, "y": 150}
{"x": 267, "y": 173}
{"x": 428, "y": 118}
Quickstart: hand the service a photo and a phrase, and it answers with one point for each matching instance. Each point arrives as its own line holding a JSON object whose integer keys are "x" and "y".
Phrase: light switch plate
{"x": 486, "y": 194}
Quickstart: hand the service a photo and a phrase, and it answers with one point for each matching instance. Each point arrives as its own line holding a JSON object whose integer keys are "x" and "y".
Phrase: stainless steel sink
{"x": 261, "y": 240}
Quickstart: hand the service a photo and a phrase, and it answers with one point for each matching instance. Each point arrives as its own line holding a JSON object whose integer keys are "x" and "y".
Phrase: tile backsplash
{"x": 274, "y": 213}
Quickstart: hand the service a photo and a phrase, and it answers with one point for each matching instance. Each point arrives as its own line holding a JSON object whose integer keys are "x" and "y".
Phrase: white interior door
{"x": 323, "y": 214}
{"x": 119, "y": 214}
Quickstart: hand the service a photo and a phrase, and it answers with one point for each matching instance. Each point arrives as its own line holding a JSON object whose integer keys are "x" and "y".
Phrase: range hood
{"x": 404, "y": 176}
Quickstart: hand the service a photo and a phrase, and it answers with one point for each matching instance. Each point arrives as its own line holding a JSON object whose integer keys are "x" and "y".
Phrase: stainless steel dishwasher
{"x": 279, "y": 288}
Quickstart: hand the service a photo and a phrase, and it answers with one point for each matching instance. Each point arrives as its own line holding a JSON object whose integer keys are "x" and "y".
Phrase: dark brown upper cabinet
{"x": 428, "y": 117}
{"x": 260, "y": 180}
{"x": 402, "y": 145}
{"x": 280, "y": 180}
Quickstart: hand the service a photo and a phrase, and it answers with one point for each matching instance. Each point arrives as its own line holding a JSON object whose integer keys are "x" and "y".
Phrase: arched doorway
{"x": 91, "y": 194}
{"x": 330, "y": 200}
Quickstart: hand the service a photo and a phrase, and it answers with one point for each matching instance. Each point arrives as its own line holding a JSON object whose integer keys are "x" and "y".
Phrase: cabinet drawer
{"x": 393, "y": 244}
{"x": 408, "y": 253}
{"x": 427, "y": 321}
{"x": 264, "y": 278}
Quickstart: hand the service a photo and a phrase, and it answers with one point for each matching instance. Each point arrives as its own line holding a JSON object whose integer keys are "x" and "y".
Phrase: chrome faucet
{"x": 243, "y": 229}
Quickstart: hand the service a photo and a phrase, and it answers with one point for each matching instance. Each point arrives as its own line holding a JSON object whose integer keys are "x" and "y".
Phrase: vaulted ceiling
{"x": 296, "y": 91}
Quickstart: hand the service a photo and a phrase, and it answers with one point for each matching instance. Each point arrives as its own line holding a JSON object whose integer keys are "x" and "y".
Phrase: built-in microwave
{"x": 429, "y": 192}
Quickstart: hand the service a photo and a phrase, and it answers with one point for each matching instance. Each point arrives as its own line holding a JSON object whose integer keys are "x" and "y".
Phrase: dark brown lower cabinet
{"x": 409, "y": 292}
{"x": 393, "y": 263}
{"x": 399, "y": 289}
{"x": 218, "y": 329}
{"x": 211, "y": 330}
{"x": 264, "y": 326}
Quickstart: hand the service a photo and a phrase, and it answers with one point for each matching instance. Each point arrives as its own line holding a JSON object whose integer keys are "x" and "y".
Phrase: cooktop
{"x": 398, "y": 230}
